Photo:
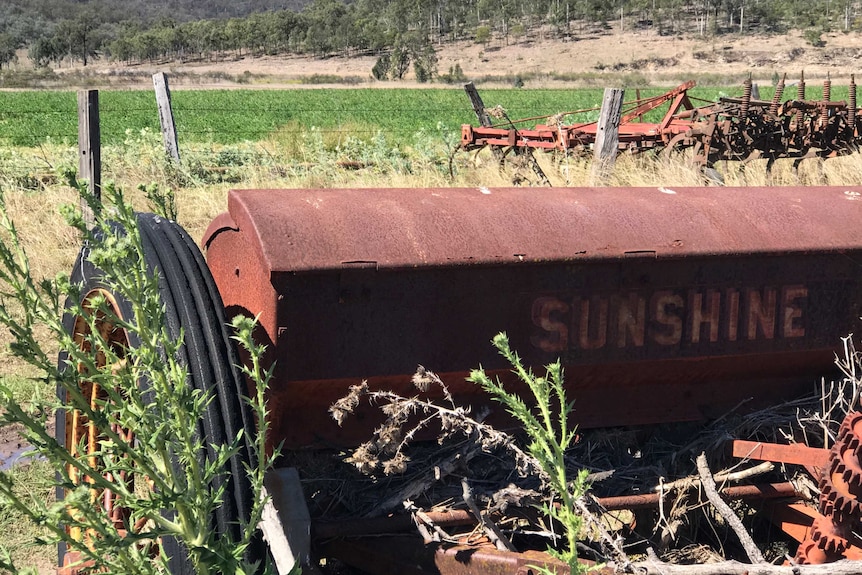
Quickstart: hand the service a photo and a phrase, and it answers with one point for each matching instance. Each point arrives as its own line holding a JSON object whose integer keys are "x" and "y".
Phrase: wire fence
{"x": 230, "y": 116}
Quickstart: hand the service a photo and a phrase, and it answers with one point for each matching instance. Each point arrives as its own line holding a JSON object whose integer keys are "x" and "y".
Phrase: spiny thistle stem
{"x": 548, "y": 442}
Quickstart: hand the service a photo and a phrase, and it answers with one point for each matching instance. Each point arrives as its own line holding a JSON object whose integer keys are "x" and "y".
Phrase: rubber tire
{"x": 194, "y": 307}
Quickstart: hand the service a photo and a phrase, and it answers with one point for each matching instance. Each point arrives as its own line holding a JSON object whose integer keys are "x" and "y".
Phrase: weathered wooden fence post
{"x": 89, "y": 147}
{"x": 478, "y": 104}
{"x": 481, "y": 114}
{"x": 607, "y": 135}
{"x": 166, "y": 115}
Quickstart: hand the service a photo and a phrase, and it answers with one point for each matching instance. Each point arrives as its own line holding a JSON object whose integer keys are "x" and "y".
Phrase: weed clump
{"x": 143, "y": 482}
{"x": 547, "y": 425}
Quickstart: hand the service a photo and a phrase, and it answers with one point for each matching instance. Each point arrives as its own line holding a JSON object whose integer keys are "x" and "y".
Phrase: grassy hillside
{"x": 20, "y": 13}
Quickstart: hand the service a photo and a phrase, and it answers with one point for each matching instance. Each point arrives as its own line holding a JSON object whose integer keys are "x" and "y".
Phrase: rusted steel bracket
{"x": 73, "y": 564}
{"x": 794, "y": 518}
{"x": 812, "y": 458}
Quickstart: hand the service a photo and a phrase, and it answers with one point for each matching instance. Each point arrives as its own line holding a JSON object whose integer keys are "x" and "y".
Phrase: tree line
{"x": 402, "y": 32}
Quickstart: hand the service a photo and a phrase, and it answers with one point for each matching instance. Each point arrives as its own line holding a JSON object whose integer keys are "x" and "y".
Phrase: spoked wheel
{"x": 193, "y": 308}
{"x": 78, "y": 432}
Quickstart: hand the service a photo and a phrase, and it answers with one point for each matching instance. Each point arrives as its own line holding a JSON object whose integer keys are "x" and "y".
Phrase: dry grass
{"x": 19, "y": 534}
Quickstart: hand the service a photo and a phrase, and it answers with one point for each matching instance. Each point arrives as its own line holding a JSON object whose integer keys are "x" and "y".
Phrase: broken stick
{"x": 726, "y": 512}
{"x": 691, "y": 482}
{"x": 491, "y": 530}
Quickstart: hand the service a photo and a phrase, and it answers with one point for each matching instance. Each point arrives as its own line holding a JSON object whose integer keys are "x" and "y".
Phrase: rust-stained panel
{"x": 664, "y": 303}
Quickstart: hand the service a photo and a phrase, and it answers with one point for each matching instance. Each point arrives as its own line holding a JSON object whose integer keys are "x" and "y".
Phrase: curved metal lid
{"x": 316, "y": 229}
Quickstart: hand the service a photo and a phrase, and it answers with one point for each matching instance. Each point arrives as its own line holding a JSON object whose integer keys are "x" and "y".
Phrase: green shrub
{"x": 380, "y": 71}
{"x": 814, "y": 37}
{"x": 454, "y": 76}
{"x": 483, "y": 34}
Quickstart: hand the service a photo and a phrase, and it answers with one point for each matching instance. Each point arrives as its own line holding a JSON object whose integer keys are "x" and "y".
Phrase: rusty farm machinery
{"x": 739, "y": 129}
{"x": 664, "y": 305}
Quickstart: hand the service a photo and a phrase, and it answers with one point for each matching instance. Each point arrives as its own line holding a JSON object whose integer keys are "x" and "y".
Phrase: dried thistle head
{"x": 456, "y": 421}
{"x": 388, "y": 438}
{"x": 397, "y": 465}
{"x": 450, "y": 422}
{"x": 496, "y": 112}
{"x": 423, "y": 379}
{"x": 365, "y": 458}
{"x": 556, "y": 119}
{"x": 398, "y": 411}
{"x": 345, "y": 406}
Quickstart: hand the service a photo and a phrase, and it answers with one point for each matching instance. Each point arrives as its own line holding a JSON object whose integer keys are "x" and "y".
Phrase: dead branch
{"x": 687, "y": 483}
{"x": 491, "y": 530}
{"x": 611, "y": 543}
{"x": 425, "y": 525}
{"x": 427, "y": 479}
{"x": 726, "y": 512}
{"x": 737, "y": 568}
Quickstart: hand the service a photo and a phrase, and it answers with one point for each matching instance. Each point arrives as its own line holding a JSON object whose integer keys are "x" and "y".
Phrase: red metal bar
{"x": 457, "y": 517}
{"x": 669, "y": 116}
{"x": 812, "y": 458}
{"x": 742, "y": 492}
{"x": 654, "y": 103}
{"x": 797, "y": 454}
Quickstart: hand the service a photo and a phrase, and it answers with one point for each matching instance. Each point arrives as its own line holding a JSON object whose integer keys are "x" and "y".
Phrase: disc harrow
{"x": 734, "y": 129}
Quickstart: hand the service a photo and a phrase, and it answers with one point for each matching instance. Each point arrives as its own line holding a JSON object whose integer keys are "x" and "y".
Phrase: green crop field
{"x": 228, "y": 116}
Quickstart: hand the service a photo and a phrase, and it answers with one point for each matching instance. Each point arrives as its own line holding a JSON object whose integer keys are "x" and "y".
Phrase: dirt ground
{"x": 592, "y": 56}
{"x": 11, "y": 446}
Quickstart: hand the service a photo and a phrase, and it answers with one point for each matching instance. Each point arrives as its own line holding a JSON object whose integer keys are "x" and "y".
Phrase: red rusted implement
{"x": 633, "y": 135}
{"x": 664, "y": 304}
{"x": 740, "y": 129}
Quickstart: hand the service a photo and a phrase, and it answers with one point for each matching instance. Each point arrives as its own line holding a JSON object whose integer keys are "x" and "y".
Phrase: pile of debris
{"x": 473, "y": 500}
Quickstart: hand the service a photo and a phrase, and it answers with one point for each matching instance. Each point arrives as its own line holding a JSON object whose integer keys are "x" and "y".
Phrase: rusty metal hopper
{"x": 664, "y": 304}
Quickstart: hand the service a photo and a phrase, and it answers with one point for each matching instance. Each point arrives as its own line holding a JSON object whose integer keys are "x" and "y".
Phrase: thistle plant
{"x": 551, "y": 433}
{"x": 141, "y": 448}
